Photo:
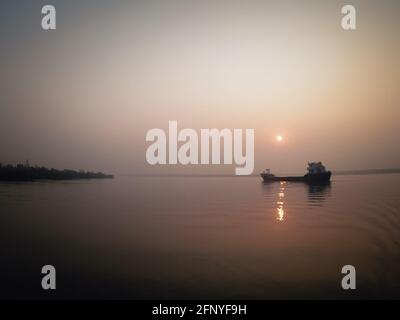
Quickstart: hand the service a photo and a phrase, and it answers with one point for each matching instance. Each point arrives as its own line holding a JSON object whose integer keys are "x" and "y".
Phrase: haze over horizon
{"x": 84, "y": 95}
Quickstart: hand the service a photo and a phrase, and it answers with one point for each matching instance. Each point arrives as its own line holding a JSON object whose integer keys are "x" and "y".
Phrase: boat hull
{"x": 308, "y": 178}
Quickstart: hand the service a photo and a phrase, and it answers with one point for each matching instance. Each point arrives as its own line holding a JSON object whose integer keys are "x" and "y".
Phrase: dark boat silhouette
{"x": 316, "y": 174}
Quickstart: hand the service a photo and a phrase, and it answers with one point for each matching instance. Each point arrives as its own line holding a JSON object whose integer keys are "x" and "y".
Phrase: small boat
{"x": 316, "y": 173}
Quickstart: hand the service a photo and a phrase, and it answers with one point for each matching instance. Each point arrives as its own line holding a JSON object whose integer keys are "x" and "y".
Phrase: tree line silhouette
{"x": 26, "y": 172}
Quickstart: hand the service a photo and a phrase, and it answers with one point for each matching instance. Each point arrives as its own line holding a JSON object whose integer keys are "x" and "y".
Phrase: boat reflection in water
{"x": 287, "y": 195}
{"x": 317, "y": 193}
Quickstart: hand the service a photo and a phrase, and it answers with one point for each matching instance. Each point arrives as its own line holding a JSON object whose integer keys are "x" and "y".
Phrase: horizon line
{"x": 227, "y": 175}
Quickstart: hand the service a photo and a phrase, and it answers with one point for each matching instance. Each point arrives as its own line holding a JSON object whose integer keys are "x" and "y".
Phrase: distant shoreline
{"x": 26, "y": 172}
{"x": 367, "y": 171}
{"x": 190, "y": 175}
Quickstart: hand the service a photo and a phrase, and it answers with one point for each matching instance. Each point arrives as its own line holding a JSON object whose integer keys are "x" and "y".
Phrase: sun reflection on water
{"x": 280, "y": 203}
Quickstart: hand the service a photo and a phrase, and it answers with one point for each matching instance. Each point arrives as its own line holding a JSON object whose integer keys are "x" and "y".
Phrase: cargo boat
{"x": 316, "y": 173}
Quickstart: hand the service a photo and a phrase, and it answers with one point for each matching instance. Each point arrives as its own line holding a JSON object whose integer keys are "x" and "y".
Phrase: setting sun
{"x": 279, "y": 138}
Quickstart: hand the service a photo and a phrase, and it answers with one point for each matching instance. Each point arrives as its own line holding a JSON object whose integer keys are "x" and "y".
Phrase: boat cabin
{"x": 315, "y": 168}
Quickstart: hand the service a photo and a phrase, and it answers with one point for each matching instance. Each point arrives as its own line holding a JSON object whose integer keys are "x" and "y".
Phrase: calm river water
{"x": 201, "y": 237}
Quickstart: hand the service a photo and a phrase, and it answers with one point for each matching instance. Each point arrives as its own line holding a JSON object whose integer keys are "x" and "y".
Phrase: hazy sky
{"x": 84, "y": 95}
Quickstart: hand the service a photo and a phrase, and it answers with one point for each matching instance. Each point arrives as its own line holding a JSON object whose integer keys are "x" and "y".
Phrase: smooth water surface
{"x": 201, "y": 237}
